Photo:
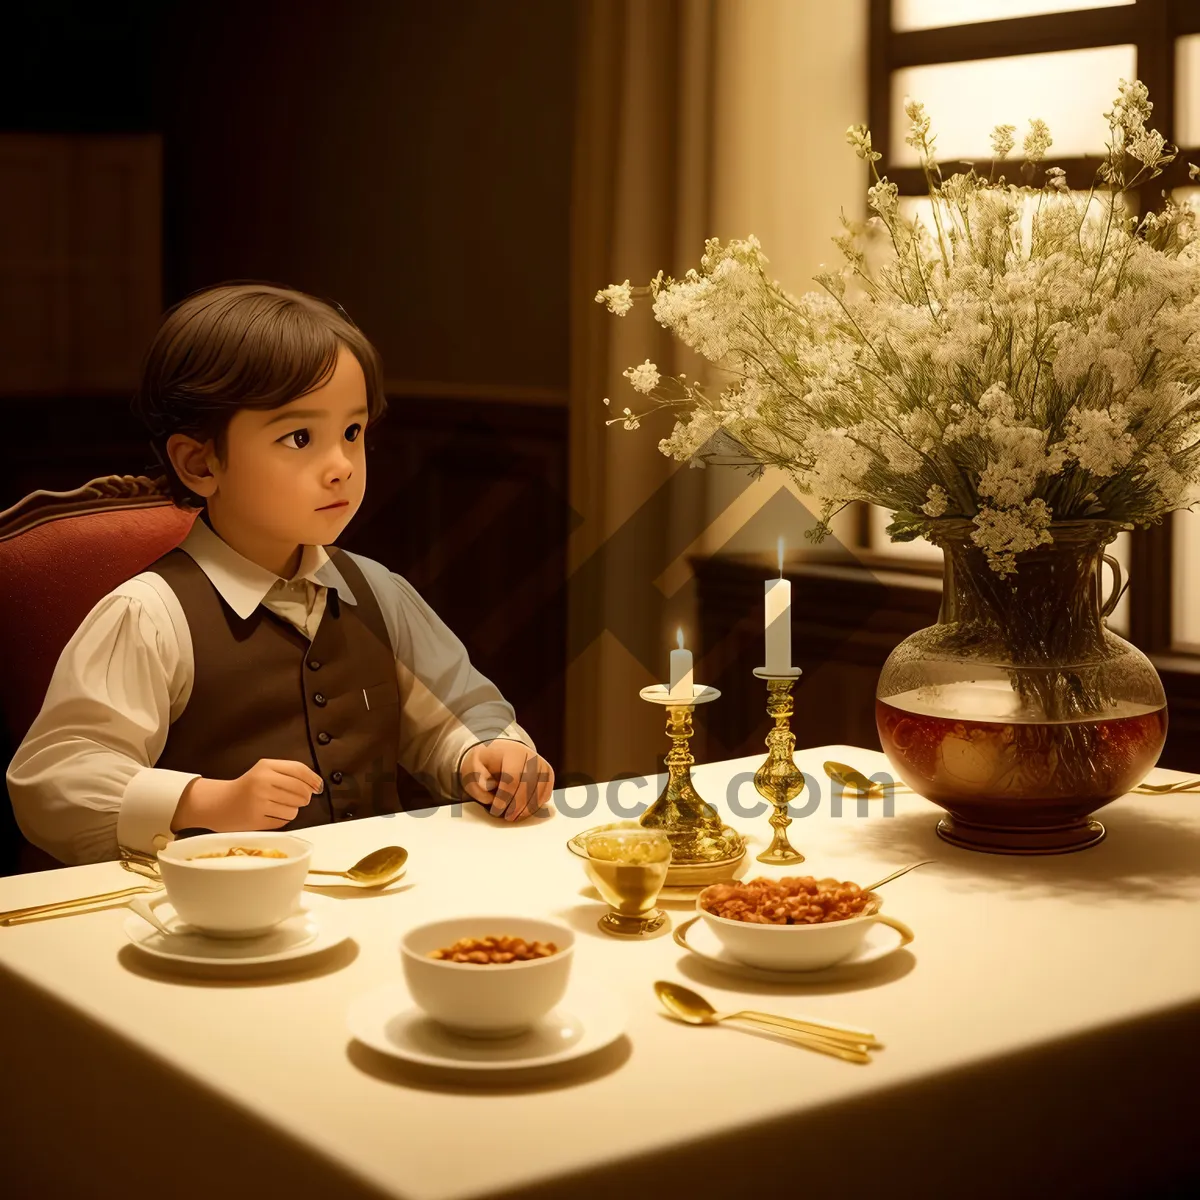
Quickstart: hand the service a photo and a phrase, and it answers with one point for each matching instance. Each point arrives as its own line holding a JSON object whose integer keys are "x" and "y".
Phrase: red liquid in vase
{"x": 998, "y": 772}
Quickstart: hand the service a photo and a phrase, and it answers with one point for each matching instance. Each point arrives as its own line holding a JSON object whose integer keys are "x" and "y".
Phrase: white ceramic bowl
{"x": 241, "y": 897}
{"x": 791, "y": 947}
{"x": 493, "y": 1000}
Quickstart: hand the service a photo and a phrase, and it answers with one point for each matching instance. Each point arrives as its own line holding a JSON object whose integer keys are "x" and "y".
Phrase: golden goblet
{"x": 629, "y": 868}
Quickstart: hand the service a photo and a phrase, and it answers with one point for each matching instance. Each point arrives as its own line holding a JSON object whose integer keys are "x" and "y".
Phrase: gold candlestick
{"x": 703, "y": 848}
{"x": 779, "y": 780}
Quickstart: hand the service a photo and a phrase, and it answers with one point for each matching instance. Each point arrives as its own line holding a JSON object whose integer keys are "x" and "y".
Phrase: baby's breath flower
{"x": 937, "y": 500}
{"x": 644, "y": 378}
{"x": 617, "y": 296}
{"x": 1003, "y": 140}
{"x": 859, "y": 136}
{"x": 1031, "y": 344}
{"x": 1037, "y": 140}
{"x": 1147, "y": 147}
{"x": 833, "y": 281}
{"x": 1132, "y": 107}
{"x": 1056, "y": 178}
{"x": 918, "y": 124}
{"x": 884, "y": 198}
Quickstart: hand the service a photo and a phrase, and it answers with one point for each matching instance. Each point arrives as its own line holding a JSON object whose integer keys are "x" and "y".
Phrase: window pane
{"x": 1187, "y": 90}
{"x": 1070, "y": 90}
{"x": 926, "y": 14}
{"x": 1187, "y": 195}
{"x": 1185, "y": 578}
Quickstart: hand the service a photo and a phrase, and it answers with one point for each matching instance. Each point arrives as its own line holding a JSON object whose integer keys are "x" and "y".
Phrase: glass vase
{"x": 1020, "y": 712}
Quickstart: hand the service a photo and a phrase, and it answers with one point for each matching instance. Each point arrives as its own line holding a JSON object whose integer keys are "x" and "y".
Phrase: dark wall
{"x": 410, "y": 160}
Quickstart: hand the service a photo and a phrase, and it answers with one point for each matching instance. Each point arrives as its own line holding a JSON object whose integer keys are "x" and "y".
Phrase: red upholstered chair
{"x": 60, "y": 552}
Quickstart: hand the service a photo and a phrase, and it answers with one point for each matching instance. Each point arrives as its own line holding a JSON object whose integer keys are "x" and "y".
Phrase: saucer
{"x": 387, "y": 1020}
{"x": 696, "y": 936}
{"x": 681, "y": 893}
{"x": 315, "y": 928}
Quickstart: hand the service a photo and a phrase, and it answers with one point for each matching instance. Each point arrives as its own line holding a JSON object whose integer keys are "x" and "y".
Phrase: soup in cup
{"x": 235, "y": 884}
{"x": 493, "y": 989}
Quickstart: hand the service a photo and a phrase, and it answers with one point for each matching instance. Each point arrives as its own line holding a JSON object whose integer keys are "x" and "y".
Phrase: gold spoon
{"x": 687, "y": 1006}
{"x": 13, "y": 915}
{"x": 875, "y": 789}
{"x": 856, "y": 781}
{"x": 379, "y": 867}
{"x": 1185, "y": 785}
{"x": 896, "y": 874}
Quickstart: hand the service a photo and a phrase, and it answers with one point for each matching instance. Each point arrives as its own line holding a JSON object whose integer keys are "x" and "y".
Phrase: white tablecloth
{"x": 1038, "y": 1034}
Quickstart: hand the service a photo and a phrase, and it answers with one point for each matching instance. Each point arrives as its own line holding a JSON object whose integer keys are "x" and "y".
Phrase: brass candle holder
{"x": 779, "y": 780}
{"x": 703, "y": 848}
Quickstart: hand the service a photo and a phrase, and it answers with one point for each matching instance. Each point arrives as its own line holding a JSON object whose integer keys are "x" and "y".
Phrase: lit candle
{"x": 681, "y": 669}
{"x": 778, "y": 601}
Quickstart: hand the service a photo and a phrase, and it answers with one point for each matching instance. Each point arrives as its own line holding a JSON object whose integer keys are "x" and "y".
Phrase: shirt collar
{"x": 244, "y": 585}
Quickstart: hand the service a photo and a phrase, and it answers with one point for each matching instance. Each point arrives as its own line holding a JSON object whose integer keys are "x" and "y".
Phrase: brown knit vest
{"x": 262, "y": 690}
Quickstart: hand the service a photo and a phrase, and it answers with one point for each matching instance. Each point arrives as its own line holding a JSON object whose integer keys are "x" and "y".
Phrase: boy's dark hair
{"x": 241, "y": 345}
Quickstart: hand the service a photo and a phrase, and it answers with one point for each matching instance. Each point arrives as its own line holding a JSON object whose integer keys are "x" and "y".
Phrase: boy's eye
{"x": 352, "y": 432}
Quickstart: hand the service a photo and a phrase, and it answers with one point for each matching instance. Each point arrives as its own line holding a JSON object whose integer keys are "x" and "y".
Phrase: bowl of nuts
{"x": 796, "y": 923}
{"x": 488, "y": 976}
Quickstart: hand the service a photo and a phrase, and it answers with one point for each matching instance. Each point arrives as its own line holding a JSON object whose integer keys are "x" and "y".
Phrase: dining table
{"x": 1040, "y": 1035}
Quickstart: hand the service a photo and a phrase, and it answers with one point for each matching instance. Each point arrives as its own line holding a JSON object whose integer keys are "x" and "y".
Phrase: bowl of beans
{"x": 796, "y": 923}
{"x": 488, "y": 976}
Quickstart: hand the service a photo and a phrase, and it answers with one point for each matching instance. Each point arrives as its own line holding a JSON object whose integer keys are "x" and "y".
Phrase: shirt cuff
{"x": 148, "y": 808}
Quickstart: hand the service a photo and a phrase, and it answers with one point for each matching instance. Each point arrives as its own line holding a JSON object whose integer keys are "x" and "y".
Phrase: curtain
{"x": 641, "y": 197}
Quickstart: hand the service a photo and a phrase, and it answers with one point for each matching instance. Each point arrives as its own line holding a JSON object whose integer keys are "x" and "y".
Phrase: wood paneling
{"x": 80, "y": 260}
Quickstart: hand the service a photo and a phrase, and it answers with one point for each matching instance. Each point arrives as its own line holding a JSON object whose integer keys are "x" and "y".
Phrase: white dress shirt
{"x": 83, "y": 780}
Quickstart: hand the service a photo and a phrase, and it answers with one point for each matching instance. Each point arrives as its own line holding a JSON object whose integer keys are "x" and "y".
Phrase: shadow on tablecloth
{"x": 1145, "y": 856}
{"x": 324, "y": 962}
{"x": 466, "y": 1082}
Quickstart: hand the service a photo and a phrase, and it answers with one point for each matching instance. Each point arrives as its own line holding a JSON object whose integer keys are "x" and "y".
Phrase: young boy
{"x": 259, "y": 677}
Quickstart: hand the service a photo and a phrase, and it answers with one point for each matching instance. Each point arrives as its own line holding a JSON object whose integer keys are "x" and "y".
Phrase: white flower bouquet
{"x": 1031, "y": 355}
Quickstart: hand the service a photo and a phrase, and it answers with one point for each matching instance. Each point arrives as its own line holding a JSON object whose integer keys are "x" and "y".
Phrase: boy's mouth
{"x": 335, "y": 504}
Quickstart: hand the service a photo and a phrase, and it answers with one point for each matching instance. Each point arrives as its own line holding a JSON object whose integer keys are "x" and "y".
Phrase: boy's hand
{"x": 507, "y": 778}
{"x": 267, "y": 796}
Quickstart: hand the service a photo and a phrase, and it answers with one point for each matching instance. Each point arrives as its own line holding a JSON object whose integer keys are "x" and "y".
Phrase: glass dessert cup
{"x": 628, "y": 868}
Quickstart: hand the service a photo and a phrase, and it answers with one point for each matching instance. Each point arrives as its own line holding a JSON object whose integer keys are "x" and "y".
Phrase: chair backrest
{"x": 60, "y": 553}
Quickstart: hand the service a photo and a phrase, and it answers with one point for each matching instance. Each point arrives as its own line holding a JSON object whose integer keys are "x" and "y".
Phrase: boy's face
{"x": 283, "y": 468}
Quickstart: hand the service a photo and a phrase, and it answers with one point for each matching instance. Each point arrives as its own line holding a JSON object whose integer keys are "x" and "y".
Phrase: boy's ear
{"x": 193, "y": 462}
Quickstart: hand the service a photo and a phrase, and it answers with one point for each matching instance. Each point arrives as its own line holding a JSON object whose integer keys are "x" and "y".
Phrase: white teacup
{"x": 240, "y": 896}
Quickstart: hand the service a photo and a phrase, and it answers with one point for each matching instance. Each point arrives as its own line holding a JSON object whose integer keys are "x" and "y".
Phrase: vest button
{"x": 313, "y": 665}
{"x": 336, "y": 777}
{"x": 323, "y": 738}
{"x": 319, "y": 700}
{"x": 346, "y": 814}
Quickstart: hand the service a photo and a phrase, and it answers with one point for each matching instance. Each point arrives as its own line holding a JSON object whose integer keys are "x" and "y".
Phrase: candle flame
{"x": 679, "y": 636}
{"x": 781, "y": 556}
